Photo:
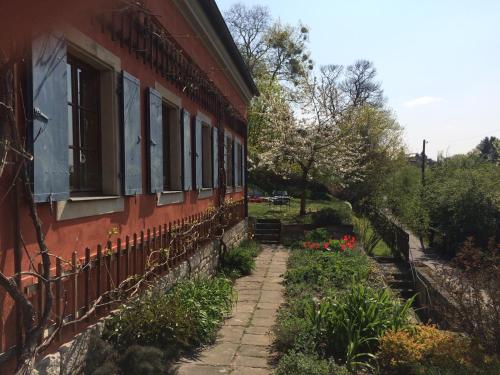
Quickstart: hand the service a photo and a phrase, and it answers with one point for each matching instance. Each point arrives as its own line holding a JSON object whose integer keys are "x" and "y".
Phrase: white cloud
{"x": 421, "y": 101}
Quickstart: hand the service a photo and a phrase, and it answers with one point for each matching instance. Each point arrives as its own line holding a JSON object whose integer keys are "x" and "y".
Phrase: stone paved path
{"x": 242, "y": 345}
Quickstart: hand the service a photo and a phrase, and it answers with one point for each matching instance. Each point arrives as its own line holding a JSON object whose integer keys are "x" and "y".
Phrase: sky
{"x": 438, "y": 60}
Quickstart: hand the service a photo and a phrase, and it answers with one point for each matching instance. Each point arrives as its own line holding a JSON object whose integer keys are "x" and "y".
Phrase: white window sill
{"x": 79, "y": 207}
{"x": 170, "y": 197}
{"x": 98, "y": 198}
{"x": 205, "y": 193}
{"x": 238, "y": 189}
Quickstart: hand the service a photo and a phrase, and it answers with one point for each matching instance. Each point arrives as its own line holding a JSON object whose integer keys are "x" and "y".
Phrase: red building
{"x": 136, "y": 118}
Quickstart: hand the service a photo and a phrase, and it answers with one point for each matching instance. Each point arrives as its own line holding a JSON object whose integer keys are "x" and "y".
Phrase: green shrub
{"x": 100, "y": 357}
{"x": 332, "y": 216}
{"x": 296, "y": 363}
{"x": 425, "y": 350}
{"x": 240, "y": 261}
{"x": 142, "y": 360}
{"x": 460, "y": 200}
{"x": 293, "y": 332}
{"x": 348, "y": 326}
{"x": 237, "y": 262}
{"x": 253, "y": 247}
{"x": 107, "y": 368}
{"x": 318, "y": 271}
{"x": 186, "y": 316}
{"x": 103, "y": 359}
{"x": 318, "y": 235}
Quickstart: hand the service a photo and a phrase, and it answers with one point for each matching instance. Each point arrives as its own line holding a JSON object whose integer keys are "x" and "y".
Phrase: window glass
{"x": 84, "y": 128}
{"x": 207, "y": 153}
{"x": 172, "y": 158}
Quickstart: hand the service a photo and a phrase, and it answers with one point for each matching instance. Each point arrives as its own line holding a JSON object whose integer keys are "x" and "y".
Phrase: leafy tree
{"x": 489, "y": 149}
{"x": 463, "y": 199}
{"x": 382, "y": 150}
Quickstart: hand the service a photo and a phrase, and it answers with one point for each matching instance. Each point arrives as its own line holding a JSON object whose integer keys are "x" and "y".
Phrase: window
{"x": 172, "y": 152}
{"x": 229, "y": 162}
{"x": 207, "y": 165}
{"x": 84, "y": 128}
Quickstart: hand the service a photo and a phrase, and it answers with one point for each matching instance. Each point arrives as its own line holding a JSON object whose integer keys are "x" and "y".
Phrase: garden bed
{"x": 151, "y": 331}
{"x": 340, "y": 318}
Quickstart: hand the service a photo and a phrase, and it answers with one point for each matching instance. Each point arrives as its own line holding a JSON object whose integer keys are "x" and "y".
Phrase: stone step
{"x": 402, "y": 276}
{"x": 401, "y": 284}
{"x": 268, "y": 226}
{"x": 267, "y": 237}
{"x": 269, "y": 221}
{"x": 267, "y": 230}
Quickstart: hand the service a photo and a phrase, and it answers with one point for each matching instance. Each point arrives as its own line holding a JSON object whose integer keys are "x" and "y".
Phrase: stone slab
{"x": 259, "y": 340}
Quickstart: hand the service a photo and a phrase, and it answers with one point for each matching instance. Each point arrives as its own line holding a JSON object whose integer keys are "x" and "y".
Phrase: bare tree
{"x": 360, "y": 85}
{"x": 272, "y": 50}
{"x": 249, "y": 27}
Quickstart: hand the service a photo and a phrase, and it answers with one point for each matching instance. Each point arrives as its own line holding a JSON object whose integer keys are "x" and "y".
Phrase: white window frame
{"x": 109, "y": 65}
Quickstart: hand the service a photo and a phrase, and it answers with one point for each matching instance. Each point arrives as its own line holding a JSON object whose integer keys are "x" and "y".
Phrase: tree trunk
{"x": 303, "y": 193}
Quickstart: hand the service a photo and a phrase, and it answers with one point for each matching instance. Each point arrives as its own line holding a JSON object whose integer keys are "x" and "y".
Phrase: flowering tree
{"x": 311, "y": 142}
{"x": 324, "y": 128}
{"x": 338, "y": 131}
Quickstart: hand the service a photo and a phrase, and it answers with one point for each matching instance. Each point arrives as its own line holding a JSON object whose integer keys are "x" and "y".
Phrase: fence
{"x": 84, "y": 288}
{"x": 392, "y": 234}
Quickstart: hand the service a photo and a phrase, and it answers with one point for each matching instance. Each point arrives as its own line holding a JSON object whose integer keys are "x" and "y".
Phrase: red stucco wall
{"x": 141, "y": 212}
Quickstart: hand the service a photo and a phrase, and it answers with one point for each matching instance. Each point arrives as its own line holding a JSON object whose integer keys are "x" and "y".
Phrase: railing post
{"x": 88, "y": 267}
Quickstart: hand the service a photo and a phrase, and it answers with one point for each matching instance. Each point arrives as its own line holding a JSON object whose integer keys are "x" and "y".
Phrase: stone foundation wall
{"x": 69, "y": 359}
{"x": 433, "y": 299}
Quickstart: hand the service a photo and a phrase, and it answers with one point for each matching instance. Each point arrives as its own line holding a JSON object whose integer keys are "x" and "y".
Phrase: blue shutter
{"x": 226, "y": 148}
{"x": 243, "y": 166}
{"x": 215, "y": 150}
{"x": 50, "y": 119}
{"x": 199, "y": 153}
{"x": 237, "y": 161}
{"x": 131, "y": 135}
{"x": 235, "y": 164}
{"x": 187, "y": 159}
{"x": 155, "y": 141}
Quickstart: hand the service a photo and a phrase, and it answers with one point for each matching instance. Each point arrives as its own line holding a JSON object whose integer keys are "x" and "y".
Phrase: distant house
{"x": 138, "y": 120}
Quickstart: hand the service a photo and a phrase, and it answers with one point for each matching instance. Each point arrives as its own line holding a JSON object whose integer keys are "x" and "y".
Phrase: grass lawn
{"x": 381, "y": 250}
{"x": 290, "y": 214}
